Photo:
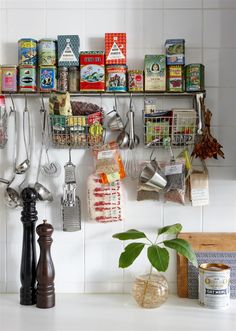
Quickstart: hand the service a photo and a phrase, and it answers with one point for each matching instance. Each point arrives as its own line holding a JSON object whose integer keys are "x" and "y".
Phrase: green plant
{"x": 157, "y": 252}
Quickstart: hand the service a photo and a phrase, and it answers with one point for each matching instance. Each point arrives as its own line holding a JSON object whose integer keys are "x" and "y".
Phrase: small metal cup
{"x": 151, "y": 175}
{"x": 115, "y": 123}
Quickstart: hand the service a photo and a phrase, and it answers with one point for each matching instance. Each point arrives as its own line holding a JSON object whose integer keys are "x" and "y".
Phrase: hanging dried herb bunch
{"x": 207, "y": 146}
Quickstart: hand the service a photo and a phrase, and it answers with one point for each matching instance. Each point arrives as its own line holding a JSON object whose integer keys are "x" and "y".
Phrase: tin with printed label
{"x": 47, "y": 78}
{"x": 194, "y": 73}
{"x": 47, "y": 52}
{"x": 27, "y": 78}
{"x": 27, "y": 51}
{"x": 213, "y": 285}
{"x": 135, "y": 80}
{"x": 9, "y": 78}
{"x": 116, "y": 78}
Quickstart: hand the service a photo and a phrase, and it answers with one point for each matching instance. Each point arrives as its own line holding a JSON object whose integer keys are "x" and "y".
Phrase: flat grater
{"x": 70, "y": 202}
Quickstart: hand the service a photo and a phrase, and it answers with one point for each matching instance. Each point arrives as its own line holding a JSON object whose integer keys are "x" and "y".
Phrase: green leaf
{"x": 130, "y": 253}
{"x": 183, "y": 248}
{"x": 129, "y": 234}
{"x": 171, "y": 229}
{"x": 159, "y": 257}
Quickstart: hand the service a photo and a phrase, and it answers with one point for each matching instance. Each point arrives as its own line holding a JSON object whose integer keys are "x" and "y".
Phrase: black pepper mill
{"x": 45, "y": 296}
{"x": 28, "y": 257}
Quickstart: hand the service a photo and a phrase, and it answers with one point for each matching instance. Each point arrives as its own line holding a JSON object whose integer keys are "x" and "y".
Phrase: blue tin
{"x": 47, "y": 78}
{"x": 27, "y": 51}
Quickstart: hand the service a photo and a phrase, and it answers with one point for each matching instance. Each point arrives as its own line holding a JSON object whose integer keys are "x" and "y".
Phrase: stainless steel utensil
{"x": 151, "y": 175}
{"x": 133, "y": 138}
{"x": 115, "y": 123}
{"x": 25, "y": 165}
{"x": 123, "y": 137}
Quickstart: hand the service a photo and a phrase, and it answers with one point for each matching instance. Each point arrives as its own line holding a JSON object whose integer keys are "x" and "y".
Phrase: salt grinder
{"x": 28, "y": 256}
{"x": 45, "y": 295}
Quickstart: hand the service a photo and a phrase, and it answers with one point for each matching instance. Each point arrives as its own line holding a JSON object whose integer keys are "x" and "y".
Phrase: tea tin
{"x": 27, "y": 51}
{"x": 213, "y": 285}
{"x": 27, "y": 78}
{"x": 116, "y": 78}
{"x": 47, "y": 78}
{"x": 194, "y": 77}
{"x": 92, "y": 71}
{"x": 115, "y": 46}
{"x": 135, "y": 80}
{"x": 68, "y": 50}
{"x": 47, "y": 52}
{"x": 175, "y": 78}
{"x": 175, "y": 51}
{"x": 9, "y": 78}
{"x": 155, "y": 72}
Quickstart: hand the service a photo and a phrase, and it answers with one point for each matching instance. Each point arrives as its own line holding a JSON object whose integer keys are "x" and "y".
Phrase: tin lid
{"x": 9, "y": 66}
{"x": 92, "y": 52}
{"x": 62, "y": 69}
{"x": 46, "y": 39}
{"x": 214, "y": 266}
{"x": 135, "y": 71}
{"x": 27, "y": 66}
{"x": 194, "y": 64}
{"x": 116, "y": 66}
{"x": 27, "y": 39}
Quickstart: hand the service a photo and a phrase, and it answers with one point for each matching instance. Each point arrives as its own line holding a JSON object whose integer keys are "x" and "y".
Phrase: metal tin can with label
{"x": 213, "y": 285}
{"x": 27, "y": 51}
{"x": 135, "y": 80}
{"x": 47, "y": 52}
{"x": 194, "y": 77}
{"x": 62, "y": 80}
{"x": 9, "y": 78}
{"x": 27, "y": 78}
{"x": 175, "y": 79}
{"x": 47, "y": 78}
{"x": 116, "y": 78}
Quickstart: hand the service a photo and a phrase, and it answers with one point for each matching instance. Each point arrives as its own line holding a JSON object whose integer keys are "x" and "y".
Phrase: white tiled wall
{"x": 88, "y": 260}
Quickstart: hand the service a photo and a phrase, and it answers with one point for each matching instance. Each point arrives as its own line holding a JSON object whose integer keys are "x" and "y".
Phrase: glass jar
{"x": 73, "y": 79}
{"x": 150, "y": 291}
{"x": 62, "y": 83}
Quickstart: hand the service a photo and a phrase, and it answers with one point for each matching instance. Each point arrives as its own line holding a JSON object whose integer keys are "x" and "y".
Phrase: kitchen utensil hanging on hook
{"x": 115, "y": 122}
{"x": 25, "y": 165}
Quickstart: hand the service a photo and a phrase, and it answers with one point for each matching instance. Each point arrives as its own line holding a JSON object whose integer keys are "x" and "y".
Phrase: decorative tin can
{"x": 213, "y": 285}
{"x": 175, "y": 51}
{"x": 47, "y": 52}
{"x": 9, "y": 78}
{"x": 175, "y": 79}
{"x": 194, "y": 77}
{"x": 115, "y": 45}
{"x": 47, "y": 78}
{"x": 0, "y": 78}
{"x": 155, "y": 72}
{"x": 27, "y": 51}
{"x": 116, "y": 78}
{"x": 62, "y": 81}
{"x": 92, "y": 72}
{"x": 68, "y": 50}
{"x": 73, "y": 79}
{"x": 27, "y": 78}
{"x": 135, "y": 80}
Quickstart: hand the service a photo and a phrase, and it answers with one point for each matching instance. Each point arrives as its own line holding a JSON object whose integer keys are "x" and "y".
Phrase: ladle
{"x": 43, "y": 193}
{"x": 25, "y": 165}
{"x": 123, "y": 137}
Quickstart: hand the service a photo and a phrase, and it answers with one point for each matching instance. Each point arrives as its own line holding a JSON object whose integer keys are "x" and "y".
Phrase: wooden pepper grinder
{"x": 28, "y": 257}
{"x": 45, "y": 296}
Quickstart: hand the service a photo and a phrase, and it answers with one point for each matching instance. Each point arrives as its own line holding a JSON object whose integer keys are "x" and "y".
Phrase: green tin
{"x": 27, "y": 78}
{"x": 194, "y": 77}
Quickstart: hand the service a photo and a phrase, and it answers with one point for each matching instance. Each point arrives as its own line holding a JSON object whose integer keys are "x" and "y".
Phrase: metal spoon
{"x": 123, "y": 137}
{"x": 25, "y": 165}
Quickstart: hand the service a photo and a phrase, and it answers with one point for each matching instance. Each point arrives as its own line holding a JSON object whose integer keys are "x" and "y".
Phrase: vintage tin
{"x": 175, "y": 51}
{"x": 175, "y": 78}
{"x": 155, "y": 72}
{"x": 135, "y": 80}
{"x": 213, "y": 285}
{"x": 194, "y": 74}
{"x": 9, "y": 78}
{"x": 68, "y": 50}
{"x": 116, "y": 78}
{"x": 92, "y": 71}
{"x": 27, "y": 51}
{"x": 47, "y": 78}
{"x": 47, "y": 52}
{"x": 115, "y": 46}
{"x": 27, "y": 78}
{"x": 62, "y": 80}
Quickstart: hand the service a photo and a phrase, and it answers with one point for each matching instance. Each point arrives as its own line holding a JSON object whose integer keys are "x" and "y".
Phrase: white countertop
{"x": 113, "y": 312}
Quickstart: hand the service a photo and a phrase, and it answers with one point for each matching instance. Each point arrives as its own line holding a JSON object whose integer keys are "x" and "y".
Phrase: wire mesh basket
{"x": 3, "y": 126}
{"x": 176, "y": 127}
{"x": 76, "y": 131}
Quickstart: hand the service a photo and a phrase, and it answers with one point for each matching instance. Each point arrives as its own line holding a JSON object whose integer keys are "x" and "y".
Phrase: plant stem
{"x": 146, "y": 285}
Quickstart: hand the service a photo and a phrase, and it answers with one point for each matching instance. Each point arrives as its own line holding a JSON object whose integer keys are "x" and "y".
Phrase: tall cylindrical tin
{"x": 27, "y": 78}
{"x": 194, "y": 73}
{"x": 9, "y": 78}
{"x": 116, "y": 78}
{"x": 27, "y": 51}
{"x": 47, "y": 52}
{"x": 213, "y": 285}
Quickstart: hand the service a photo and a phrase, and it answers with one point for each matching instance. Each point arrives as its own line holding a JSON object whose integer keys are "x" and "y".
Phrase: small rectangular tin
{"x": 9, "y": 78}
{"x": 116, "y": 78}
{"x": 194, "y": 74}
{"x": 175, "y": 51}
{"x": 47, "y": 78}
{"x": 115, "y": 46}
{"x": 92, "y": 71}
{"x": 155, "y": 72}
{"x": 135, "y": 80}
{"x": 175, "y": 78}
{"x": 27, "y": 51}
{"x": 68, "y": 50}
{"x": 27, "y": 78}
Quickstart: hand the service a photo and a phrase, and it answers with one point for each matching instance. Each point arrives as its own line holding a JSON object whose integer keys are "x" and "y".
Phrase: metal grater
{"x": 70, "y": 202}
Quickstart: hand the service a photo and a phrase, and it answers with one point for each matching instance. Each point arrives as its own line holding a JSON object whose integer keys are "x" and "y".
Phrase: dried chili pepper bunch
{"x": 207, "y": 146}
